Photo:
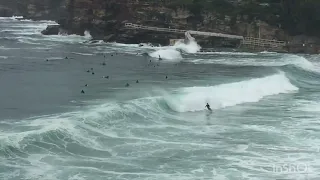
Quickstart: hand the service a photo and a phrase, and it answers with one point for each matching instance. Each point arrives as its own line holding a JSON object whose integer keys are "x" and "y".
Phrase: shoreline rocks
{"x": 6, "y": 12}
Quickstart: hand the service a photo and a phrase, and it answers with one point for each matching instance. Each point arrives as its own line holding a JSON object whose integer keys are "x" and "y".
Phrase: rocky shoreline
{"x": 105, "y": 21}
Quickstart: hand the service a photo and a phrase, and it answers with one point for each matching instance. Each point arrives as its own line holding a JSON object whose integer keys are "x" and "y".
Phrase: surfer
{"x": 82, "y": 92}
{"x": 160, "y": 58}
{"x": 208, "y": 107}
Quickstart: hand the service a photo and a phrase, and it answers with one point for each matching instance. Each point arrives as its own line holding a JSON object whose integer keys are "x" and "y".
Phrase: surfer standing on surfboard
{"x": 208, "y": 107}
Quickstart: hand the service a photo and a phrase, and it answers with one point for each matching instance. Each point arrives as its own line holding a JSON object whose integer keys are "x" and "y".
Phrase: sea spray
{"x": 168, "y": 54}
{"x": 189, "y": 47}
{"x": 174, "y": 52}
{"x": 87, "y": 35}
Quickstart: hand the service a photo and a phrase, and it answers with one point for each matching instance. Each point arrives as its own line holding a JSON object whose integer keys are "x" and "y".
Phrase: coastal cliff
{"x": 105, "y": 19}
{"x": 34, "y": 9}
{"x": 285, "y": 21}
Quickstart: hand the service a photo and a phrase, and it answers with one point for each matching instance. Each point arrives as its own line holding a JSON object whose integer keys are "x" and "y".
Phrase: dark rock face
{"x": 34, "y": 9}
{"x": 105, "y": 19}
{"x": 6, "y": 12}
{"x": 51, "y": 30}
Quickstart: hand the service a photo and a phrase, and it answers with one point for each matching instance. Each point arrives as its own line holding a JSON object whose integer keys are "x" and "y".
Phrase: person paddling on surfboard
{"x": 208, "y": 107}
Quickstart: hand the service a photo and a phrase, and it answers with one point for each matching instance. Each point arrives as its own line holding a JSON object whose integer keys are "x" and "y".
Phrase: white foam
{"x": 169, "y": 54}
{"x": 67, "y": 38}
{"x": 40, "y": 21}
{"x": 38, "y": 126}
{"x": 125, "y": 45}
{"x": 190, "y": 47}
{"x": 83, "y": 54}
{"x": 87, "y": 35}
{"x": 3, "y": 57}
{"x": 273, "y": 59}
{"x": 229, "y": 53}
{"x": 300, "y": 62}
{"x": 11, "y": 18}
{"x": 135, "y": 46}
{"x": 309, "y": 106}
{"x": 55, "y": 58}
{"x": 173, "y": 53}
{"x": 224, "y": 95}
{"x": 268, "y": 52}
{"x": 29, "y": 27}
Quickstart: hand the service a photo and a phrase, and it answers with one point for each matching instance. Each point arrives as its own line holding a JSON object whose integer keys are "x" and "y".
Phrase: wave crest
{"x": 224, "y": 95}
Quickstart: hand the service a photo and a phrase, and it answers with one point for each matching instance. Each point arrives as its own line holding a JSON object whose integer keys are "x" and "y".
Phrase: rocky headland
{"x": 288, "y": 21}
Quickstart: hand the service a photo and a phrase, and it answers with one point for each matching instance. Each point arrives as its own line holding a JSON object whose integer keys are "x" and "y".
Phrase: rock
{"x": 105, "y": 18}
{"x": 51, "y": 30}
{"x": 108, "y": 38}
{"x": 6, "y": 12}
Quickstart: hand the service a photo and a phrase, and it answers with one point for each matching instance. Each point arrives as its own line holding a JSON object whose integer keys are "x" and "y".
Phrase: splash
{"x": 11, "y": 18}
{"x": 168, "y": 54}
{"x": 301, "y": 62}
{"x": 189, "y": 45}
{"x": 87, "y": 35}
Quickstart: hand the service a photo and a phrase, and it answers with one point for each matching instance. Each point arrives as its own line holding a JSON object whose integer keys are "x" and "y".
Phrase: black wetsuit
{"x": 208, "y": 107}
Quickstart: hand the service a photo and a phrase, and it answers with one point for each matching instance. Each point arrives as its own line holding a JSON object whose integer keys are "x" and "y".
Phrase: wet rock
{"x": 6, "y": 12}
{"x": 51, "y": 30}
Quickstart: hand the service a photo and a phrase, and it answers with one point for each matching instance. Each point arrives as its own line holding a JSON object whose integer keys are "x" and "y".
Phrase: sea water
{"x": 264, "y": 123}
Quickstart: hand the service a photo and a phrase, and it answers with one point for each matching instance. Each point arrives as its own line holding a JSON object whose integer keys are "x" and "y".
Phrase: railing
{"x": 251, "y": 42}
{"x": 256, "y": 42}
{"x": 136, "y": 26}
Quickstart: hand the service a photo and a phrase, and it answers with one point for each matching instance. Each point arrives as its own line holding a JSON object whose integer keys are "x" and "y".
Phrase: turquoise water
{"x": 264, "y": 119}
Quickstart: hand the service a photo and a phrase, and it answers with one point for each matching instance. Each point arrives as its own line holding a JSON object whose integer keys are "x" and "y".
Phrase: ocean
{"x": 264, "y": 122}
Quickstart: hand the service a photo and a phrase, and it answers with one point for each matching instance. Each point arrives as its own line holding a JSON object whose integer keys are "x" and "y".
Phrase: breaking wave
{"x": 174, "y": 52}
{"x": 168, "y": 54}
{"x": 225, "y": 95}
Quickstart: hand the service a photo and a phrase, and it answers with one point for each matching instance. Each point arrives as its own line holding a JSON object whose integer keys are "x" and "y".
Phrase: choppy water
{"x": 265, "y": 111}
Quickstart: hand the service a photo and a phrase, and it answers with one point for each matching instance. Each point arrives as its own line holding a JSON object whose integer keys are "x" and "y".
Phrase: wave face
{"x": 225, "y": 95}
{"x": 189, "y": 47}
{"x": 265, "y": 110}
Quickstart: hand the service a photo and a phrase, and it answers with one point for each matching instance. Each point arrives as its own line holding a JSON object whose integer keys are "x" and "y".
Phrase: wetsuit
{"x": 208, "y": 107}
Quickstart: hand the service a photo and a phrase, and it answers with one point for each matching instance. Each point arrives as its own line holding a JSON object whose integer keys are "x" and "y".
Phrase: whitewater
{"x": 265, "y": 109}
